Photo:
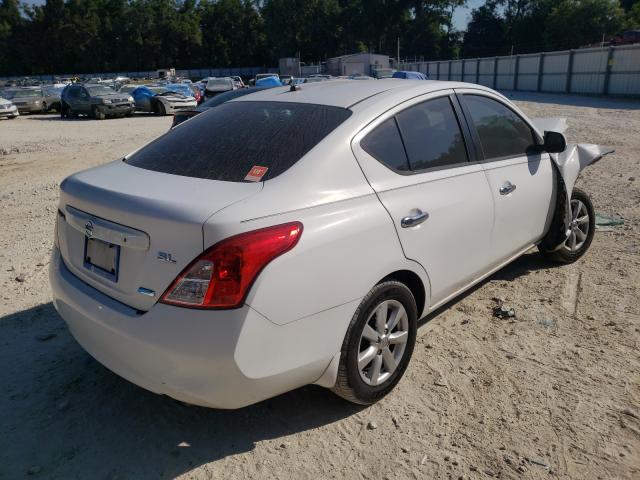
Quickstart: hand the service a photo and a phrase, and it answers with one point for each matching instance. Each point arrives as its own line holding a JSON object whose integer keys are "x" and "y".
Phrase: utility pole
{"x": 398, "y": 52}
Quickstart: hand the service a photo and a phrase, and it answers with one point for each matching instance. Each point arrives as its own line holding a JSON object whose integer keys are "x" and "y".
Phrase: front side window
{"x": 502, "y": 132}
{"x": 432, "y": 135}
{"x": 229, "y": 141}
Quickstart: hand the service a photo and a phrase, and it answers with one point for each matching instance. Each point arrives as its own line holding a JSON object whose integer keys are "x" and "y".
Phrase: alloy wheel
{"x": 383, "y": 342}
{"x": 579, "y": 226}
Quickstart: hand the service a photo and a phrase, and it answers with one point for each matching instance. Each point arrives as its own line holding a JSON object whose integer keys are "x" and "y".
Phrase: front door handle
{"x": 415, "y": 219}
{"x": 507, "y": 188}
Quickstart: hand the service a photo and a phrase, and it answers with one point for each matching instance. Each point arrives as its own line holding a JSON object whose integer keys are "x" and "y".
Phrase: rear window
{"x": 226, "y": 142}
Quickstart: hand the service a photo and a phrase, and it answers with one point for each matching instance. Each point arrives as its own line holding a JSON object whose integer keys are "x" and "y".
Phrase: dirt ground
{"x": 554, "y": 393}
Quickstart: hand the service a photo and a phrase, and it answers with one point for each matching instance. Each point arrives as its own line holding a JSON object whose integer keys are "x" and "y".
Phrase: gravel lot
{"x": 554, "y": 393}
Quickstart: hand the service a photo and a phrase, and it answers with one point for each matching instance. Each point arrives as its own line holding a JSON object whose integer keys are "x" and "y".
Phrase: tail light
{"x": 222, "y": 275}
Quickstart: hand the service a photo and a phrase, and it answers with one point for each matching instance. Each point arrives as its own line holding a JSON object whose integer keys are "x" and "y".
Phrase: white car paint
{"x": 8, "y": 109}
{"x": 290, "y": 328}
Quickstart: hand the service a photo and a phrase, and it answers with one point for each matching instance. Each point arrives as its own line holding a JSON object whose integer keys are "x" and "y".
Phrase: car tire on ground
{"x": 159, "y": 109}
{"x": 378, "y": 344}
{"x": 45, "y": 109}
{"x": 64, "y": 111}
{"x": 582, "y": 229}
{"x": 97, "y": 113}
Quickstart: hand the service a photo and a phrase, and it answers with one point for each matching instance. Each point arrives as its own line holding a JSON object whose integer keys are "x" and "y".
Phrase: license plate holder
{"x": 102, "y": 258}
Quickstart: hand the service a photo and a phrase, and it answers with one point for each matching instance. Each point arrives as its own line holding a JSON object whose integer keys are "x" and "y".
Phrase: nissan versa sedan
{"x": 295, "y": 236}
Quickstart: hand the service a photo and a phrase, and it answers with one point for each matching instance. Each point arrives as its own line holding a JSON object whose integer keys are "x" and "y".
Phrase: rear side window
{"x": 385, "y": 145}
{"x": 226, "y": 142}
{"x": 432, "y": 135}
{"x": 502, "y": 132}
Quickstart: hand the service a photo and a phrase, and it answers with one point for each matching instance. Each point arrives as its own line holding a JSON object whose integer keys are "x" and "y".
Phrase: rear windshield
{"x": 227, "y": 142}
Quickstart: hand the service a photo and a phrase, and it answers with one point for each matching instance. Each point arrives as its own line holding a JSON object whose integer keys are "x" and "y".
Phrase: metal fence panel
{"x": 469, "y": 68}
{"x": 528, "y": 69}
{"x": 625, "y": 71}
{"x": 505, "y": 73}
{"x": 456, "y": 71}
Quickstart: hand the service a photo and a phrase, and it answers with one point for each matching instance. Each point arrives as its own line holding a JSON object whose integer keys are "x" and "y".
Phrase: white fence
{"x": 595, "y": 71}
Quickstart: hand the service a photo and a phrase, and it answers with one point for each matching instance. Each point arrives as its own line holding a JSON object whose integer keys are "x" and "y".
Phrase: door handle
{"x": 415, "y": 219}
{"x": 507, "y": 188}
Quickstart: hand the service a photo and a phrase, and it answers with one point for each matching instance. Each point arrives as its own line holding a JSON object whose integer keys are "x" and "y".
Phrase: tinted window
{"x": 226, "y": 142}
{"x": 73, "y": 92}
{"x": 384, "y": 144}
{"x": 432, "y": 135}
{"x": 502, "y": 132}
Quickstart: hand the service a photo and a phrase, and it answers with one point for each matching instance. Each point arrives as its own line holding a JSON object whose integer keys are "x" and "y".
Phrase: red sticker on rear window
{"x": 256, "y": 173}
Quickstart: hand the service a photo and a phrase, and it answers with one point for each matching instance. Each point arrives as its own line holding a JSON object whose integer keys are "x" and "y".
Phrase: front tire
{"x": 378, "y": 344}
{"x": 98, "y": 114}
{"x": 581, "y": 230}
{"x": 160, "y": 109}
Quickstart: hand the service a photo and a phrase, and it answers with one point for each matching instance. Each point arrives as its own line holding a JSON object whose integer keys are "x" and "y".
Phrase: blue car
{"x": 410, "y": 75}
{"x": 162, "y": 100}
{"x": 182, "y": 88}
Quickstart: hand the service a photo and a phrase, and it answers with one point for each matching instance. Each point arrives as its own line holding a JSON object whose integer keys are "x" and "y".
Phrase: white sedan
{"x": 295, "y": 236}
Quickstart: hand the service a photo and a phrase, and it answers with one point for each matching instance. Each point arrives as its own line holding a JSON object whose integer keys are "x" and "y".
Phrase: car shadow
{"x": 56, "y": 117}
{"x": 522, "y": 266}
{"x": 67, "y": 416}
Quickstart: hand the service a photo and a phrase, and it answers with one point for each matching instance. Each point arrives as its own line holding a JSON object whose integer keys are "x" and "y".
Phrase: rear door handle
{"x": 415, "y": 219}
{"x": 507, "y": 188}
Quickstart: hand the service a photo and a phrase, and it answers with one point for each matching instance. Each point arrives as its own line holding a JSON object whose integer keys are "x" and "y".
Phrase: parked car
{"x": 8, "y": 109}
{"x": 295, "y": 237}
{"x": 27, "y": 99}
{"x": 269, "y": 82}
{"x": 97, "y": 101}
{"x": 409, "y": 75}
{"x": 216, "y": 86}
{"x": 128, "y": 88}
{"x": 238, "y": 81}
{"x": 180, "y": 117}
{"x": 161, "y": 100}
{"x": 260, "y": 76}
{"x": 627, "y": 38}
{"x": 196, "y": 92}
{"x": 52, "y": 95}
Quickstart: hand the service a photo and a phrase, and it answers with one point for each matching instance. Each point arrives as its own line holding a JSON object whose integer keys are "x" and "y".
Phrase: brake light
{"x": 222, "y": 275}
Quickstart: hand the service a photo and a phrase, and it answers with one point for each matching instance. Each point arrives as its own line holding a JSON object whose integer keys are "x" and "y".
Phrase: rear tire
{"x": 583, "y": 226}
{"x": 45, "y": 109}
{"x": 378, "y": 344}
{"x": 64, "y": 111}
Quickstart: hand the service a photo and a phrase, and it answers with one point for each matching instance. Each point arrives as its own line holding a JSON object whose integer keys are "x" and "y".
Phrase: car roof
{"x": 348, "y": 93}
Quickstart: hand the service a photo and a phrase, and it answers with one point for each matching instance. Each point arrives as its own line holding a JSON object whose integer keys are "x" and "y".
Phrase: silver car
{"x": 28, "y": 100}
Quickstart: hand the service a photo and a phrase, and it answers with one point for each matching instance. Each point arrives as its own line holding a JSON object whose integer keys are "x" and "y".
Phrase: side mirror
{"x": 554, "y": 142}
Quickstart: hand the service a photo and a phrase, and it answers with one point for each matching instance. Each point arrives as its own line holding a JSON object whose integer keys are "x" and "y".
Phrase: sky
{"x": 460, "y": 17}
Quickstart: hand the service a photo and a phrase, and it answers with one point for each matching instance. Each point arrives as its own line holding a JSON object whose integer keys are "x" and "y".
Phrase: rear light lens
{"x": 222, "y": 275}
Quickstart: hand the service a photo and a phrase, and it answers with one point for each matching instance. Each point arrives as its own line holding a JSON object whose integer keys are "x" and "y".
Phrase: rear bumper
{"x": 221, "y": 359}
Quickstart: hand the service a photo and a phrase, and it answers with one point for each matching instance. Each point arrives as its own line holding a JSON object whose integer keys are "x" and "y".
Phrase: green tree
{"x": 574, "y": 23}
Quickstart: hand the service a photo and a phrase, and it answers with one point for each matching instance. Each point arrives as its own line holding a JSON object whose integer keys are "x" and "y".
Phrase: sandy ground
{"x": 554, "y": 393}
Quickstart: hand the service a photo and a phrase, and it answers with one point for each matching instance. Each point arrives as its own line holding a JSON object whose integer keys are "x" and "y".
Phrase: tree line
{"x": 82, "y": 36}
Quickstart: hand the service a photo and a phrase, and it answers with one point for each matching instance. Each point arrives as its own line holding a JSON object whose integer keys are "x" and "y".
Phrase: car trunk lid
{"x": 128, "y": 232}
